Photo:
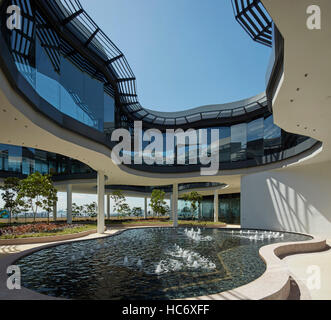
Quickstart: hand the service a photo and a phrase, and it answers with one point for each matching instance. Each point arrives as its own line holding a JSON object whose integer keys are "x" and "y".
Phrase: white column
{"x": 171, "y": 212}
{"x": 216, "y": 206}
{"x": 175, "y": 204}
{"x": 69, "y": 203}
{"x": 145, "y": 208}
{"x": 108, "y": 206}
{"x": 55, "y": 211}
{"x": 101, "y": 202}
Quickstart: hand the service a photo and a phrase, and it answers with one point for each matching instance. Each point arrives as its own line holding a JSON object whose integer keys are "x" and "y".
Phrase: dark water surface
{"x": 151, "y": 263}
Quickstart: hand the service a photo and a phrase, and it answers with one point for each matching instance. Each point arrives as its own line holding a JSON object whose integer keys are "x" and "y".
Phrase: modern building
{"x": 65, "y": 88}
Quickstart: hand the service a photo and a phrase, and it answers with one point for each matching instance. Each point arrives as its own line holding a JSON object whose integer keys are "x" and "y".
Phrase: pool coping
{"x": 273, "y": 284}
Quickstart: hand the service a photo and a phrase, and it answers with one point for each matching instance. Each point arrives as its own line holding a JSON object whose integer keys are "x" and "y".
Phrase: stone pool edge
{"x": 273, "y": 284}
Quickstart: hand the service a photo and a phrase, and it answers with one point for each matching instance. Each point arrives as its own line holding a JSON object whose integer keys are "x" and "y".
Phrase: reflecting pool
{"x": 151, "y": 263}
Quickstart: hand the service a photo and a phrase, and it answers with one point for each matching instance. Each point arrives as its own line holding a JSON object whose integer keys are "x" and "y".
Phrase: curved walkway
{"x": 314, "y": 271}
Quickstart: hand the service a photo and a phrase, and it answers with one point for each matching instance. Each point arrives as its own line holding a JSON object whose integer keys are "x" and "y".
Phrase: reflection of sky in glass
{"x": 271, "y": 131}
{"x": 239, "y": 133}
{"x": 255, "y": 130}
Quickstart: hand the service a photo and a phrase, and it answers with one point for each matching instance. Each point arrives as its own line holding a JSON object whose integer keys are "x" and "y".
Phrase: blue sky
{"x": 184, "y": 53}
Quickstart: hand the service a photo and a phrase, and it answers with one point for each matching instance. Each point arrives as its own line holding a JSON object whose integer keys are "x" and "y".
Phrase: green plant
{"x": 137, "y": 211}
{"x": 10, "y": 196}
{"x": 157, "y": 203}
{"x": 120, "y": 205}
{"x": 194, "y": 198}
{"x": 77, "y": 210}
{"x": 91, "y": 209}
{"x": 37, "y": 191}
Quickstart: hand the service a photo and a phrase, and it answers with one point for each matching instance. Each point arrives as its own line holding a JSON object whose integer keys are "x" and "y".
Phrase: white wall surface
{"x": 292, "y": 199}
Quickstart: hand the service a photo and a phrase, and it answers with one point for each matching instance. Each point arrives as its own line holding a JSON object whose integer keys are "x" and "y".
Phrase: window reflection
{"x": 21, "y": 160}
{"x": 238, "y": 142}
{"x": 255, "y": 130}
{"x": 69, "y": 87}
{"x": 272, "y": 137}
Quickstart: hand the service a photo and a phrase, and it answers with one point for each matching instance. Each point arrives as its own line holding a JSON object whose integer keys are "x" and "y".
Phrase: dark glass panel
{"x": 225, "y": 144}
{"x": 109, "y": 113}
{"x": 238, "y": 142}
{"x": 14, "y": 159}
{"x": 255, "y": 131}
{"x": 47, "y": 79}
{"x": 272, "y": 137}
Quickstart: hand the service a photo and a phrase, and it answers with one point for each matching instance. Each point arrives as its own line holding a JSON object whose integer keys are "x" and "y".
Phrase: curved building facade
{"x": 76, "y": 81}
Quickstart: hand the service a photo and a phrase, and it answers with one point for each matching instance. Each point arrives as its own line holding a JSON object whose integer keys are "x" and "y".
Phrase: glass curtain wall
{"x": 24, "y": 161}
{"x": 229, "y": 209}
{"x": 59, "y": 74}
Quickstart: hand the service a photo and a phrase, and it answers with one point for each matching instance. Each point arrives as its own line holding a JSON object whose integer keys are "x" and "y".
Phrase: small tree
{"x": 10, "y": 196}
{"x": 120, "y": 205}
{"x": 157, "y": 203}
{"x": 137, "y": 211}
{"x": 91, "y": 209}
{"x": 194, "y": 198}
{"x": 49, "y": 199}
{"x": 77, "y": 210}
{"x": 38, "y": 191}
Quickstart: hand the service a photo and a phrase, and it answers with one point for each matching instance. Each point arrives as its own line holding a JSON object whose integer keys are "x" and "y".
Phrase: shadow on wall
{"x": 291, "y": 199}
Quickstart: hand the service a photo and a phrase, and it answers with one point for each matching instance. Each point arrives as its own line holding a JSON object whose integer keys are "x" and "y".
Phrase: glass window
{"x": 255, "y": 131}
{"x": 14, "y": 158}
{"x": 272, "y": 136}
{"x": 47, "y": 79}
{"x": 109, "y": 113}
{"x": 225, "y": 144}
{"x": 3, "y": 157}
{"x": 238, "y": 142}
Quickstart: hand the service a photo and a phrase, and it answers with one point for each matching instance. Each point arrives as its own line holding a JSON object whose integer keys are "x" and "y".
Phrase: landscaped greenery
{"x": 36, "y": 230}
{"x": 120, "y": 205}
{"x": 194, "y": 199}
{"x": 158, "y": 205}
{"x": 34, "y": 192}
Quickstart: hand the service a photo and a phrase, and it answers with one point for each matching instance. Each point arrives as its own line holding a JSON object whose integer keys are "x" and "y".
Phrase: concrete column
{"x": 55, "y": 211}
{"x": 101, "y": 202}
{"x": 108, "y": 206}
{"x": 216, "y": 206}
{"x": 145, "y": 208}
{"x": 69, "y": 203}
{"x": 171, "y": 212}
{"x": 175, "y": 204}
